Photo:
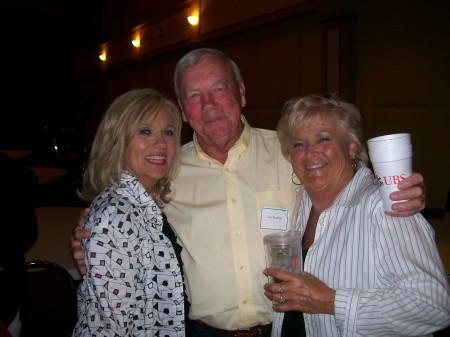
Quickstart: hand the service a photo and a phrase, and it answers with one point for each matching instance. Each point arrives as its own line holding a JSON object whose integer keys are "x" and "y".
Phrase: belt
{"x": 256, "y": 331}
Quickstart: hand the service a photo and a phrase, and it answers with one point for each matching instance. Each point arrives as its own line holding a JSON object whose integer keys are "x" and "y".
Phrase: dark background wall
{"x": 38, "y": 86}
{"x": 388, "y": 57}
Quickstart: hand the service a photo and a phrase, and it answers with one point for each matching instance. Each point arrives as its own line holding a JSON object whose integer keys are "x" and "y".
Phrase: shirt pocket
{"x": 274, "y": 203}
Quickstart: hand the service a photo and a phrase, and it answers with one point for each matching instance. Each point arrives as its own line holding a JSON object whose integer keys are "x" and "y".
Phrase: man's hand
{"x": 75, "y": 242}
{"x": 412, "y": 189}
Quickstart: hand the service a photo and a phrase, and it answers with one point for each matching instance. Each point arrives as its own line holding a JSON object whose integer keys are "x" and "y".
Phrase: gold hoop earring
{"x": 293, "y": 178}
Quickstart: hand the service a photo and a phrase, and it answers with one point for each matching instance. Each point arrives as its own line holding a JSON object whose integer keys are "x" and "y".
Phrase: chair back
{"x": 4, "y": 332}
{"x": 50, "y": 304}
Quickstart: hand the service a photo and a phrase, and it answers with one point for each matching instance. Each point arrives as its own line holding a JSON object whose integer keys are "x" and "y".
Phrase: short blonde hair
{"x": 118, "y": 126}
{"x": 301, "y": 109}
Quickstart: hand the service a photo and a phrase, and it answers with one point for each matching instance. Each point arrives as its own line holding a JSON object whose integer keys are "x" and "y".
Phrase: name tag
{"x": 274, "y": 218}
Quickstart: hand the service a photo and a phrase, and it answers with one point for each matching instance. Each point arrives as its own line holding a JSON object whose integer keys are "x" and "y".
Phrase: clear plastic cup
{"x": 284, "y": 251}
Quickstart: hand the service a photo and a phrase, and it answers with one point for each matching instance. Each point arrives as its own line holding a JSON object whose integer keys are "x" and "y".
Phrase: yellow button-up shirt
{"x": 217, "y": 212}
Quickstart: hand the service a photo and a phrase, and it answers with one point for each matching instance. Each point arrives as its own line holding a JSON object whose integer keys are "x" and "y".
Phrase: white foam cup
{"x": 389, "y": 142}
{"x": 391, "y": 157}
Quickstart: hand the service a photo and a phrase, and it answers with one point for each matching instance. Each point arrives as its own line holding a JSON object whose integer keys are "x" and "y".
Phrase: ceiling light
{"x": 193, "y": 20}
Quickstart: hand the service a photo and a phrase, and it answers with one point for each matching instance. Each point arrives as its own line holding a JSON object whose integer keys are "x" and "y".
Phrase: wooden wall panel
{"x": 310, "y": 59}
{"x": 279, "y": 69}
{"x": 245, "y": 55}
{"x": 175, "y": 29}
{"x": 404, "y": 82}
{"x": 429, "y": 127}
{"x": 121, "y": 51}
{"x": 220, "y": 14}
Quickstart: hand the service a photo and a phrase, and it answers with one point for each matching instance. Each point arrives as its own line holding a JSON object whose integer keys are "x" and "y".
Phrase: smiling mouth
{"x": 215, "y": 120}
{"x": 156, "y": 159}
{"x": 315, "y": 166}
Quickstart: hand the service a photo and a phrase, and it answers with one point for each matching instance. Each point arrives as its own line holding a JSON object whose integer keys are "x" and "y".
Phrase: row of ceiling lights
{"x": 136, "y": 41}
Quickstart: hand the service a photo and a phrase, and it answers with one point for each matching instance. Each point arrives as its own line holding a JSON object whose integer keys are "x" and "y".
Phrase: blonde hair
{"x": 301, "y": 109}
{"x": 118, "y": 126}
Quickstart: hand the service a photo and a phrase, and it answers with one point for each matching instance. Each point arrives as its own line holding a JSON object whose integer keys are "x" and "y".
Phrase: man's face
{"x": 211, "y": 101}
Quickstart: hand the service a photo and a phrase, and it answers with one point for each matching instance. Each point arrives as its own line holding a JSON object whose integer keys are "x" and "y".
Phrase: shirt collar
{"x": 352, "y": 193}
{"x": 130, "y": 184}
{"x": 132, "y": 189}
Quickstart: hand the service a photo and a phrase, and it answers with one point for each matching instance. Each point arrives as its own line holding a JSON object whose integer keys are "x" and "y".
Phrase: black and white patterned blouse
{"x": 134, "y": 284}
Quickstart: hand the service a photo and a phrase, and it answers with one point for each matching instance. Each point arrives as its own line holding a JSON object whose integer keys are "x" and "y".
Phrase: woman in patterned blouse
{"x": 365, "y": 273}
{"x": 134, "y": 282}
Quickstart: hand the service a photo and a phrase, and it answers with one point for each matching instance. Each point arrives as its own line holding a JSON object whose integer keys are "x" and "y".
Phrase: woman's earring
{"x": 295, "y": 179}
{"x": 354, "y": 164}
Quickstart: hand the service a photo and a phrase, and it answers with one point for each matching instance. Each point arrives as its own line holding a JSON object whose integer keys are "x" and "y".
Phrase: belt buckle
{"x": 248, "y": 332}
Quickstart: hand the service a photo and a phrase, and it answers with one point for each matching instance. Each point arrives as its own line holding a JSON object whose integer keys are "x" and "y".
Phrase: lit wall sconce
{"x": 102, "y": 56}
{"x": 193, "y": 20}
{"x": 136, "y": 40}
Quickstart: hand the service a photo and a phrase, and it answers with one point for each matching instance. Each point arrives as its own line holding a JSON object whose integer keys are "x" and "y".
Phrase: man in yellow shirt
{"x": 234, "y": 187}
{"x": 233, "y": 184}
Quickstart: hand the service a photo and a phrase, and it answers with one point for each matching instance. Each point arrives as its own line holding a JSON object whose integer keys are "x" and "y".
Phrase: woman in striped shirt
{"x": 365, "y": 273}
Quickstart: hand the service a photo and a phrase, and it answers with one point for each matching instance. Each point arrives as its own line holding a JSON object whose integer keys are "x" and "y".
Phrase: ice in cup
{"x": 391, "y": 157}
{"x": 284, "y": 251}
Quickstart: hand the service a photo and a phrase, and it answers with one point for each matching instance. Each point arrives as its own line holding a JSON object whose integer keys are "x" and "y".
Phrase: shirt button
{"x": 233, "y": 200}
{"x": 244, "y": 301}
{"x": 241, "y": 267}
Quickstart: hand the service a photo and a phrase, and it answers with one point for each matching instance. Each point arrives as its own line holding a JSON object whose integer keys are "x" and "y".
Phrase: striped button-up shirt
{"x": 387, "y": 272}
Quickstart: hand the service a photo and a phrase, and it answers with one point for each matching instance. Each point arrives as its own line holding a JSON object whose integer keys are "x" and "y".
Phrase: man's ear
{"x": 242, "y": 93}
{"x": 183, "y": 114}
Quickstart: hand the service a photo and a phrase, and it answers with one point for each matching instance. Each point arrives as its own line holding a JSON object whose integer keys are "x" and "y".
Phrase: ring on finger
{"x": 281, "y": 299}
{"x": 280, "y": 289}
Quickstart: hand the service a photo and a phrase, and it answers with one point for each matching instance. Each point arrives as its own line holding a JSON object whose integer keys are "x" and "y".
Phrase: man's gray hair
{"x": 194, "y": 56}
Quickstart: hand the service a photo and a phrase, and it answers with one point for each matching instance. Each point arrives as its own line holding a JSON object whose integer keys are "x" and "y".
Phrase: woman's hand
{"x": 412, "y": 189}
{"x": 75, "y": 242}
{"x": 300, "y": 292}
